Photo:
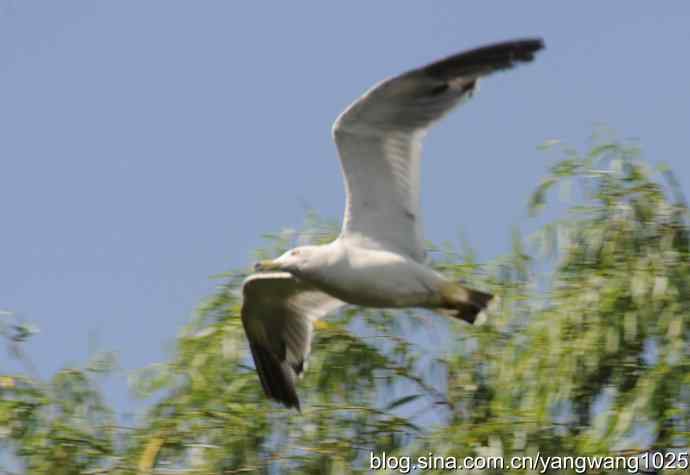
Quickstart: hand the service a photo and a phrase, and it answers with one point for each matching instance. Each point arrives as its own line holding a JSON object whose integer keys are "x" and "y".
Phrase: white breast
{"x": 376, "y": 278}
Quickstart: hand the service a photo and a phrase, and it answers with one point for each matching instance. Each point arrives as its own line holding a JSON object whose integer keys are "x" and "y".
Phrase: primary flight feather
{"x": 378, "y": 259}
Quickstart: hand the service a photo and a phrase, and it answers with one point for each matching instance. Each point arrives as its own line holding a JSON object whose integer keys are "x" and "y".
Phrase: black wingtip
{"x": 487, "y": 58}
{"x": 521, "y": 50}
{"x": 277, "y": 377}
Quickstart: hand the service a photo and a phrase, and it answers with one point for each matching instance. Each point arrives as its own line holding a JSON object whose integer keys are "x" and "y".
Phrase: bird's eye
{"x": 294, "y": 253}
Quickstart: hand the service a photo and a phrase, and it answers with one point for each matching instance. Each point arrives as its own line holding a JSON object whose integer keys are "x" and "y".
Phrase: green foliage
{"x": 585, "y": 353}
{"x": 59, "y": 427}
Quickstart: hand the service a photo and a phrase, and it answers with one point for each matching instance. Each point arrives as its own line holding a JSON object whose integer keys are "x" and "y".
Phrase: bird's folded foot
{"x": 462, "y": 302}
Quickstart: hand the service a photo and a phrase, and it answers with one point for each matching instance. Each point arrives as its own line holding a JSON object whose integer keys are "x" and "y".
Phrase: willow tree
{"x": 584, "y": 353}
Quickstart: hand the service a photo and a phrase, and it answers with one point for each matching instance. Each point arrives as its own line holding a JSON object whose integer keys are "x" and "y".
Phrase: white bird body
{"x": 374, "y": 277}
{"x": 379, "y": 259}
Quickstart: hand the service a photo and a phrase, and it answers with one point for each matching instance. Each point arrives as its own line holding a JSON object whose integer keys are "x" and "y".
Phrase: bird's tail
{"x": 462, "y": 302}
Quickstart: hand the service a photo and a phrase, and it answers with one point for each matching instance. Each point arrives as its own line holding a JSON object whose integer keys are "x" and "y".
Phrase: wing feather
{"x": 278, "y": 312}
{"x": 379, "y": 140}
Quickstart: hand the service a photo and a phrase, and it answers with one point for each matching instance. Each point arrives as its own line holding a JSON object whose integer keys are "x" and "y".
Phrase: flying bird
{"x": 378, "y": 260}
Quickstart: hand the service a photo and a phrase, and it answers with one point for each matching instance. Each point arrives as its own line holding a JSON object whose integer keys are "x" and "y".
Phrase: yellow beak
{"x": 263, "y": 266}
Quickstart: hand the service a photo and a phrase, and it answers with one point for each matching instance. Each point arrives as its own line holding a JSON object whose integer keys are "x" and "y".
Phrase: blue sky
{"x": 145, "y": 146}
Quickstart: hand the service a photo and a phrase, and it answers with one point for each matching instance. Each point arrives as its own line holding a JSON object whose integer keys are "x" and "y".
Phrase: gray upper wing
{"x": 379, "y": 139}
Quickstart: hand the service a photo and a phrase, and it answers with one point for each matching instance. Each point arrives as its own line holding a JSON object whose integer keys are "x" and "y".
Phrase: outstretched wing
{"x": 278, "y": 314}
{"x": 379, "y": 140}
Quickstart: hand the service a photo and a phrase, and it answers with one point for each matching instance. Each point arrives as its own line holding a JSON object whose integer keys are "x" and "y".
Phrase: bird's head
{"x": 295, "y": 261}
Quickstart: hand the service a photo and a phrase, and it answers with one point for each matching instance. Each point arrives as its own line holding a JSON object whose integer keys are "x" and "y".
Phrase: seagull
{"x": 378, "y": 260}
